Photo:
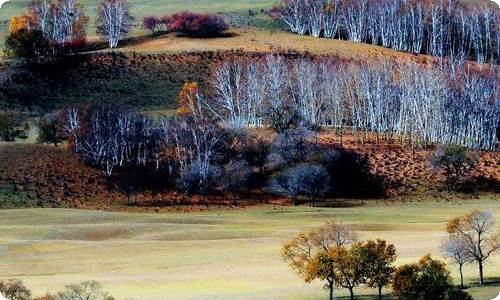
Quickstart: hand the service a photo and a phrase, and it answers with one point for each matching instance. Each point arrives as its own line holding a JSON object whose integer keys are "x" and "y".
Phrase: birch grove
{"x": 60, "y": 21}
{"x": 438, "y": 27}
{"x": 421, "y": 105}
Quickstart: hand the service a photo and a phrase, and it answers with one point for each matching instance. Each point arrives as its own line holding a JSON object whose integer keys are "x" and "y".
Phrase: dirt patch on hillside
{"x": 406, "y": 170}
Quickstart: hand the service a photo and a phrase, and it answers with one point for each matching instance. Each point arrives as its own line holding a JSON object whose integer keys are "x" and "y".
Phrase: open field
{"x": 218, "y": 254}
{"x": 142, "y": 8}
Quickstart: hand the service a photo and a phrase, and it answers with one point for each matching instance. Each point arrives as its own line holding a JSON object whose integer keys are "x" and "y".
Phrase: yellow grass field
{"x": 268, "y": 40}
{"x": 216, "y": 254}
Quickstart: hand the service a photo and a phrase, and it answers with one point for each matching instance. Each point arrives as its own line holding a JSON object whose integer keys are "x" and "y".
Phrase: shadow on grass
{"x": 138, "y": 40}
{"x": 489, "y": 281}
{"x": 366, "y": 297}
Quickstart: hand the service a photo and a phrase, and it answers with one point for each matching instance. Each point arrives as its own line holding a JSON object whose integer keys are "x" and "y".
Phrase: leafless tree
{"x": 114, "y": 20}
{"x": 40, "y": 11}
{"x": 477, "y": 234}
{"x": 455, "y": 248}
{"x": 236, "y": 175}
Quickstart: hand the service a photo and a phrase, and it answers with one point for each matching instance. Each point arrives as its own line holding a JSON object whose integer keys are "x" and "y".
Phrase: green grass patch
{"x": 10, "y": 197}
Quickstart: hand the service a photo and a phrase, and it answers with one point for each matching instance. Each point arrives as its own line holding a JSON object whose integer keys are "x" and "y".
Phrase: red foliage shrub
{"x": 197, "y": 25}
{"x": 151, "y": 23}
{"x": 165, "y": 20}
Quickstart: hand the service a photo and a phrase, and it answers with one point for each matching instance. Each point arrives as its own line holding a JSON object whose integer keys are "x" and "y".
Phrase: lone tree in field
{"x": 307, "y": 252}
{"x": 477, "y": 233}
{"x": 456, "y": 161}
{"x": 378, "y": 259}
{"x": 455, "y": 248}
{"x": 114, "y": 20}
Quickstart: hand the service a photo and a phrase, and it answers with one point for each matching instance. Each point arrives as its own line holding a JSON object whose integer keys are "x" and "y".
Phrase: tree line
{"x": 196, "y": 155}
{"x": 332, "y": 253}
{"x": 454, "y": 104}
{"x": 14, "y": 289}
{"x": 438, "y": 27}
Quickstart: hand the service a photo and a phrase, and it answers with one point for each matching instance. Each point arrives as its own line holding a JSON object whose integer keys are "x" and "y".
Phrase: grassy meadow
{"x": 141, "y": 8}
{"x": 217, "y": 254}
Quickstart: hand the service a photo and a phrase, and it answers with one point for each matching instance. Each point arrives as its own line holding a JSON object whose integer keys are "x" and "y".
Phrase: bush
{"x": 197, "y": 25}
{"x": 456, "y": 161}
{"x": 428, "y": 279}
{"x": 456, "y": 294}
{"x": 14, "y": 289}
{"x": 49, "y": 130}
{"x": 12, "y": 127}
{"x": 91, "y": 290}
{"x": 151, "y": 23}
{"x": 27, "y": 44}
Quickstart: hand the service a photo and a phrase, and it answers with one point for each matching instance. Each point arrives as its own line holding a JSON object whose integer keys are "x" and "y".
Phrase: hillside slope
{"x": 151, "y": 77}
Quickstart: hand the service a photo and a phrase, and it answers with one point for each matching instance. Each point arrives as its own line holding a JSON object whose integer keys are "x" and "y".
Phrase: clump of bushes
{"x": 456, "y": 162}
{"x": 26, "y": 43}
{"x": 12, "y": 127}
{"x": 332, "y": 254}
{"x": 14, "y": 289}
{"x": 198, "y": 25}
{"x": 426, "y": 279}
{"x": 187, "y": 23}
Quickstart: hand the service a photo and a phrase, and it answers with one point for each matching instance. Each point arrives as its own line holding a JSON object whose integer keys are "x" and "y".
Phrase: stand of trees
{"x": 472, "y": 238}
{"x": 61, "y": 21}
{"x": 332, "y": 254}
{"x": 438, "y": 27}
{"x": 48, "y": 28}
{"x": 196, "y": 155}
{"x": 421, "y": 105}
{"x": 53, "y": 27}
{"x": 14, "y": 289}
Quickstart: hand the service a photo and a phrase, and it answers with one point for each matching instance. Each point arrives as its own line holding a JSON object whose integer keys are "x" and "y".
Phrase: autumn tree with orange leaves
{"x": 186, "y": 99}
{"x": 378, "y": 258}
{"x": 308, "y": 252}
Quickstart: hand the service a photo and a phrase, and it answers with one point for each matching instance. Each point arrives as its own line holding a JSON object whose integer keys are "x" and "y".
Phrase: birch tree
{"x": 114, "y": 20}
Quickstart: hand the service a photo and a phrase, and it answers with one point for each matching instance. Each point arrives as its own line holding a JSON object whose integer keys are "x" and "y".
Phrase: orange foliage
{"x": 186, "y": 99}
{"x": 18, "y": 23}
